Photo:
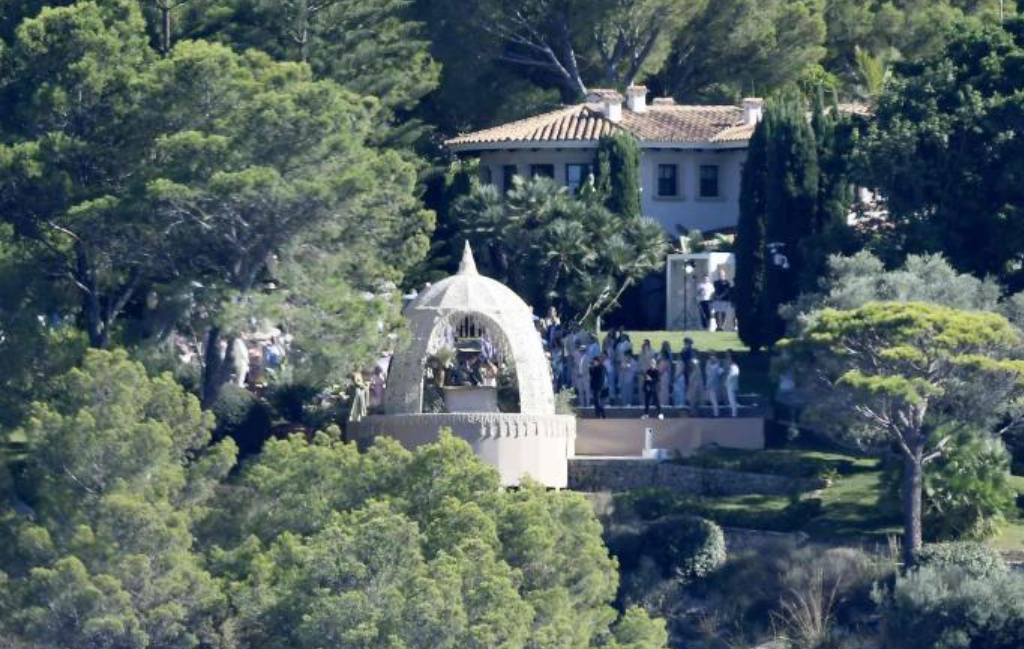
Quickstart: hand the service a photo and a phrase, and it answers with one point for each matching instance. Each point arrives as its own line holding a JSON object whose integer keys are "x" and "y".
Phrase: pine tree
{"x": 792, "y": 200}
{"x": 618, "y": 174}
{"x": 751, "y": 240}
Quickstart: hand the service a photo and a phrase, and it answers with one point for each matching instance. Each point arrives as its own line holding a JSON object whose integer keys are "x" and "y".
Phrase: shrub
{"x": 685, "y": 547}
{"x": 949, "y": 608}
{"x": 243, "y": 417}
{"x": 803, "y": 591}
{"x": 975, "y": 559}
{"x": 289, "y": 400}
{"x": 967, "y": 491}
{"x": 564, "y": 399}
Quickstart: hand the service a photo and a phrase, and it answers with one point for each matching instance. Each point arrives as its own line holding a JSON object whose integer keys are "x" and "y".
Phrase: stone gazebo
{"x": 510, "y": 423}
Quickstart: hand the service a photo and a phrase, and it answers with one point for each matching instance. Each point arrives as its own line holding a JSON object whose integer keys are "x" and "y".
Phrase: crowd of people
{"x": 613, "y": 372}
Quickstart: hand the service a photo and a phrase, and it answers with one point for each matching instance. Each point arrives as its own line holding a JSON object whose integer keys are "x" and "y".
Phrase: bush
{"x": 976, "y": 559}
{"x": 685, "y": 547}
{"x": 755, "y": 591}
{"x": 289, "y": 400}
{"x": 949, "y": 608}
{"x": 243, "y": 417}
{"x": 967, "y": 491}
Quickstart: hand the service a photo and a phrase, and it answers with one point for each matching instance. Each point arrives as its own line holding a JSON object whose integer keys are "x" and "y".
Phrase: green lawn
{"x": 705, "y": 341}
{"x": 847, "y": 509}
{"x": 1012, "y": 536}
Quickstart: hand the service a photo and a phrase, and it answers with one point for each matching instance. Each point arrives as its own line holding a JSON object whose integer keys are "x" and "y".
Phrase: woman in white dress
{"x": 732, "y": 382}
{"x": 713, "y": 382}
{"x": 695, "y": 386}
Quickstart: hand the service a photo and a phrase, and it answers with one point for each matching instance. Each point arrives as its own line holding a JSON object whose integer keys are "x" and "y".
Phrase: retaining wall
{"x": 625, "y": 474}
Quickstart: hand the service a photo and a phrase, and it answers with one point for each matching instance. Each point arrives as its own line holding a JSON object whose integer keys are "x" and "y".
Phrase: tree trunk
{"x": 92, "y": 312}
{"x": 165, "y": 44}
{"x": 213, "y": 366}
{"x": 913, "y": 481}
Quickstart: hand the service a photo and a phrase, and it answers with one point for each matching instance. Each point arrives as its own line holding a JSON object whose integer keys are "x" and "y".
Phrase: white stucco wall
{"x": 688, "y": 211}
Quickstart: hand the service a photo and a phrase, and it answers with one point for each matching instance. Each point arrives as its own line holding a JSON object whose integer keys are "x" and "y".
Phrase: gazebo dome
{"x": 471, "y": 299}
{"x": 470, "y": 292}
{"x": 478, "y": 312}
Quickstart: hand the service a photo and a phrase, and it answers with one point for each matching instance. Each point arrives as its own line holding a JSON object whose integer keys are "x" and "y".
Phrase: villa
{"x": 691, "y": 156}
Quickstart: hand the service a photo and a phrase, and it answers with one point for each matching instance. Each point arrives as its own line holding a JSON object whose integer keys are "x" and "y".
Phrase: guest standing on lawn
{"x": 686, "y": 356}
{"x": 652, "y": 376}
{"x": 598, "y": 385}
{"x": 665, "y": 367}
{"x": 722, "y": 299}
{"x": 713, "y": 381}
{"x": 627, "y": 377}
{"x": 695, "y": 386}
{"x": 705, "y": 293}
{"x": 732, "y": 382}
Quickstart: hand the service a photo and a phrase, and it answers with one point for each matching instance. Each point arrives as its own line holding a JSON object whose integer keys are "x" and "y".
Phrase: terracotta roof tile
{"x": 586, "y": 122}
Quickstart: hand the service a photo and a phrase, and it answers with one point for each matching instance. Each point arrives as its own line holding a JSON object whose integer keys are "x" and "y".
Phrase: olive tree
{"x": 907, "y": 377}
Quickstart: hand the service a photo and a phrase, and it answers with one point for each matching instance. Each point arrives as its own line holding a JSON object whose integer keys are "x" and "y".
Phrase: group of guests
{"x": 613, "y": 372}
{"x": 474, "y": 369}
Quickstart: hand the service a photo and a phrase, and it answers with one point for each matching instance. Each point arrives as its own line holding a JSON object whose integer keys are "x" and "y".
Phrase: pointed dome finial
{"x": 468, "y": 265}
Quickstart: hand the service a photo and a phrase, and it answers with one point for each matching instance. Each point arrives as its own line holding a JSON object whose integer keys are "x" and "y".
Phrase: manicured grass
{"x": 704, "y": 341}
{"x": 848, "y": 508}
{"x": 1011, "y": 537}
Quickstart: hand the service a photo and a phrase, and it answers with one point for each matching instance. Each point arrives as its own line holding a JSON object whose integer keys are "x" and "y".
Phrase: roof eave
{"x": 460, "y": 147}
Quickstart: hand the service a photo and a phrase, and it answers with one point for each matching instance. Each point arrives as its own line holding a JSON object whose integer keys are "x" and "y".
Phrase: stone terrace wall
{"x": 625, "y": 474}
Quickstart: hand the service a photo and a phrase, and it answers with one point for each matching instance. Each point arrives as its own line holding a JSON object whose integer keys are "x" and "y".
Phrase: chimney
{"x": 753, "y": 110}
{"x": 611, "y": 106}
{"x": 636, "y": 99}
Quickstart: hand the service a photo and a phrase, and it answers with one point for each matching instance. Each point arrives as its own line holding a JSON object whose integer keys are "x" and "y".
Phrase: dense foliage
{"x": 975, "y": 559}
{"x": 967, "y": 493}
{"x": 794, "y": 197}
{"x": 313, "y": 544}
{"x": 685, "y": 548}
{"x": 98, "y": 527}
{"x": 909, "y": 377}
{"x": 945, "y": 154}
{"x": 950, "y": 608}
{"x": 196, "y": 193}
{"x": 618, "y": 174}
{"x": 555, "y": 249}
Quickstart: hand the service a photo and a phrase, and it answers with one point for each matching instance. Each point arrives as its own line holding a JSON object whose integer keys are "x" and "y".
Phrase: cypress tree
{"x": 830, "y": 234}
{"x": 751, "y": 253}
{"x": 618, "y": 174}
{"x": 791, "y": 199}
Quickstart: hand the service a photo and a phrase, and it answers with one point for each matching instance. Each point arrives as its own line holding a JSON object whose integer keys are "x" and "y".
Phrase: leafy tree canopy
{"x": 369, "y": 47}
{"x": 556, "y": 249}
{"x": 326, "y": 545}
{"x": 908, "y": 377}
{"x": 117, "y": 468}
{"x": 944, "y": 154}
